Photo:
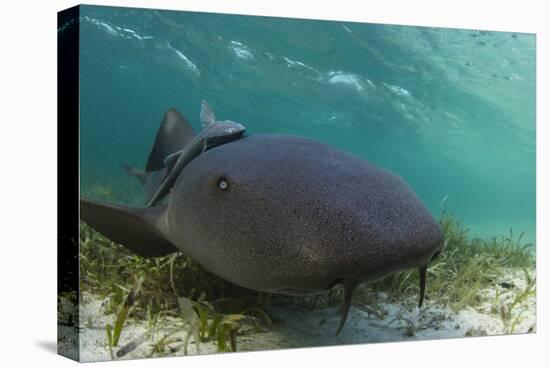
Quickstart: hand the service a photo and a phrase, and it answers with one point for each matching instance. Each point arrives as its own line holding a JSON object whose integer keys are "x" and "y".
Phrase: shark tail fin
{"x": 140, "y": 174}
{"x": 135, "y": 228}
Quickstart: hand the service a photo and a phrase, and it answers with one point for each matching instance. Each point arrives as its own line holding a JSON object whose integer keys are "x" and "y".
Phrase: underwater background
{"x": 451, "y": 111}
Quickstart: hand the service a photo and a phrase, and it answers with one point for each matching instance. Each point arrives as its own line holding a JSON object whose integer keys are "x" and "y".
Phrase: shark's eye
{"x": 222, "y": 184}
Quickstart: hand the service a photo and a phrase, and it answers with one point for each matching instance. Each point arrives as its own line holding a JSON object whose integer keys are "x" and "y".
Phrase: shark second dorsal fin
{"x": 207, "y": 115}
{"x": 173, "y": 135}
{"x": 135, "y": 228}
{"x": 137, "y": 173}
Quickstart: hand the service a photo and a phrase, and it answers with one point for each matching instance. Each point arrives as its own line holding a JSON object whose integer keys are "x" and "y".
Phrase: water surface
{"x": 450, "y": 110}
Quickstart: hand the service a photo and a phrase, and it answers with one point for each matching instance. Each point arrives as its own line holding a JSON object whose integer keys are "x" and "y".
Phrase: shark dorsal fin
{"x": 207, "y": 115}
{"x": 174, "y": 134}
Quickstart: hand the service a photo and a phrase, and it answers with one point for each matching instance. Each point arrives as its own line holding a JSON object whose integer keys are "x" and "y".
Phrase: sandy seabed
{"x": 295, "y": 327}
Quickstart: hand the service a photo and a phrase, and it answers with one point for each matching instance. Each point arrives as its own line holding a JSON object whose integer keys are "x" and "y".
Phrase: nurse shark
{"x": 282, "y": 214}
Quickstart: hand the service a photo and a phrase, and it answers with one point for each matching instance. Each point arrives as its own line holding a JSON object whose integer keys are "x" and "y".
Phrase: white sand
{"x": 299, "y": 327}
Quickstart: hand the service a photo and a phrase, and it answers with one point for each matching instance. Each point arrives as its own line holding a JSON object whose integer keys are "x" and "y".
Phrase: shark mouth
{"x": 350, "y": 286}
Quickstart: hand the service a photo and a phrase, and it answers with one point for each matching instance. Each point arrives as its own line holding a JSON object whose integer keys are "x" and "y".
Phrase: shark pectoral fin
{"x": 141, "y": 175}
{"x": 134, "y": 228}
{"x": 207, "y": 115}
{"x": 422, "y": 275}
{"x": 346, "y": 303}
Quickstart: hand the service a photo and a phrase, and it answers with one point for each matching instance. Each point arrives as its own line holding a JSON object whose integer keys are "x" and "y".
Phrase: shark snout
{"x": 430, "y": 245}
{"x": 438, "y": 242}
{"x": 438, "y": 249}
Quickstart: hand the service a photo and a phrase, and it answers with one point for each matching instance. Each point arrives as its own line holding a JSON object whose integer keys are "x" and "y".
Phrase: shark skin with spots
{"x": 282, "y": 214}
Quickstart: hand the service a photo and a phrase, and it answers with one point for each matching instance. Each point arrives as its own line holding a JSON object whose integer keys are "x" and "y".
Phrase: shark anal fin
{"x": 132, "y": 228}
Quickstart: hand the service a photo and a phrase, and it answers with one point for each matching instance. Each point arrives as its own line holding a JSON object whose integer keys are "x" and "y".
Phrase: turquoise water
{"x": 452, "y": 111}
